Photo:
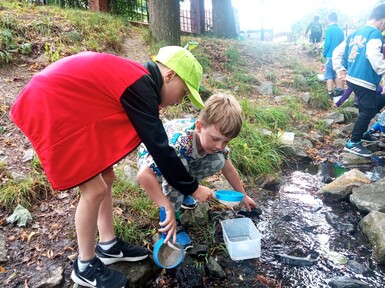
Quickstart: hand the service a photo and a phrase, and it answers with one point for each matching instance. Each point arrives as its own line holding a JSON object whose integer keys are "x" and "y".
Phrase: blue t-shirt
{"x": 333, "y": 37}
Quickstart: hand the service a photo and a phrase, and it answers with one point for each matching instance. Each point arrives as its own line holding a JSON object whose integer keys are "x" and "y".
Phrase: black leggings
{"x": 369, "y": 104}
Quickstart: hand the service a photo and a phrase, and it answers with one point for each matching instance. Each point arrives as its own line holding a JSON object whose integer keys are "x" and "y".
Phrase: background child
{"x": 379, "y": 125}
{"x": 333, "y": 37}
{"x": 86, "y": 112}
{"x": 201, "y": 144}
{"x": 359, "y": 61}
{"x": 315, "y": 35}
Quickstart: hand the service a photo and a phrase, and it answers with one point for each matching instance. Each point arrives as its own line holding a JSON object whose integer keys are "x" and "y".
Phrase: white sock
{"x": 83, "y": 264}
{"x": 107, "y": 245}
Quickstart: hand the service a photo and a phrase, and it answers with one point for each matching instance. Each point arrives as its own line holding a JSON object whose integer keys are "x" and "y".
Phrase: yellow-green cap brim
{"x": 195, "y": 98}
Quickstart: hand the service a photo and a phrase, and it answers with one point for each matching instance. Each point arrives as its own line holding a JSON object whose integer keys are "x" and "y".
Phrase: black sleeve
{"x": 140, "y": 101}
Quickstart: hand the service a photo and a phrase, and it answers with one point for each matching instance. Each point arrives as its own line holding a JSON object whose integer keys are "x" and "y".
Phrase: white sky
{"x": 279, "y": 14}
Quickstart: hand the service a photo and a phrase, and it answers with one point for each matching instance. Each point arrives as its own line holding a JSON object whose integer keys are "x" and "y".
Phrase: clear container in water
{"x": 242, "y": 238}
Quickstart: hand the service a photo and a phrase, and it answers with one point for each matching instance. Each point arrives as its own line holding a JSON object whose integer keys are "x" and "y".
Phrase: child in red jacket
{"x": 86, "y": 112}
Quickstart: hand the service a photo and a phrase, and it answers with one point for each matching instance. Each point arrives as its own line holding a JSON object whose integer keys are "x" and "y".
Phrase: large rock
{"x": 341, "y": 187}
{"x": 369, "y": 197}
{"x": 373, "y": 226}
{"x": 352, "y": 160}
{"x": 138, "y": 273}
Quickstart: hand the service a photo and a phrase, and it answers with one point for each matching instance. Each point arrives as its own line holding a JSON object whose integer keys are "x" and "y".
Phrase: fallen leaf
{"x": 3, "y": 270}
{"x": 31, "y": 235}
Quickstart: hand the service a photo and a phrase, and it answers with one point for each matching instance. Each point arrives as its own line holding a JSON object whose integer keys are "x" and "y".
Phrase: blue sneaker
{"x": 189, "y": 202}
{"x": 182, "y": 238}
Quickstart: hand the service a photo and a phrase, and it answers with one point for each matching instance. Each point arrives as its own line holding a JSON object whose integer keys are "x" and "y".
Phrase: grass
{"x": 254, "y": 153}
{"x": 26, "y": 28}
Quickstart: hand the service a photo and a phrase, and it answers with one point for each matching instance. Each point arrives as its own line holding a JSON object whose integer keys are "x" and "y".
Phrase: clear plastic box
{"x": 242, "y": 238}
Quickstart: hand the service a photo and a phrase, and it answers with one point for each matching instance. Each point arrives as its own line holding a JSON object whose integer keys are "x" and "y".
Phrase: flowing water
{"x": 294, "y": 222}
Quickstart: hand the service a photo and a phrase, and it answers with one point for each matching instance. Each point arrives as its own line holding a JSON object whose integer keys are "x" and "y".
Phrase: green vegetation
{"x": 26, "y": 28}
{"x": 24, "y": 190}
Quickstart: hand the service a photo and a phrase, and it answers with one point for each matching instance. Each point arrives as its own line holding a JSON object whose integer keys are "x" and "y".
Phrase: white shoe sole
{"x": 108, "y": 261}
{"x": 356, "y": 153}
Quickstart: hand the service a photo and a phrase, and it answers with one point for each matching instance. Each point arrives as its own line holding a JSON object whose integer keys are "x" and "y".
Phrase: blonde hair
{"x": 222, "y": 111}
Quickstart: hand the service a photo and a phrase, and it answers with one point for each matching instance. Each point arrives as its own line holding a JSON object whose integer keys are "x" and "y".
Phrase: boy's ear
{"x": 198, "y": 125}
{"x": 169, "y": 75}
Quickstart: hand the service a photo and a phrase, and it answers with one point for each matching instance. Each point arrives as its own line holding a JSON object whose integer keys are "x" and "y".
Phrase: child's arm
{"x": 232, "y": 177}
{"x": 146, "y": 178}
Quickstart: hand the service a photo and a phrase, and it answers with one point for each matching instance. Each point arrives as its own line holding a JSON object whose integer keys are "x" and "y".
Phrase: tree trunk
{"x": 223, "y": 19}
{"x": 165, "y": 21}
{"x": 197, "y": 11}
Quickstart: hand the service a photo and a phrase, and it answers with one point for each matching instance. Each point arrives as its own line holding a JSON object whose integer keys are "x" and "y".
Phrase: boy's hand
{"x": 249, "y": 203}
{"x": 168, "y": 226}
{"x": 203, "y": 194}
{"x": 342, "y": 75}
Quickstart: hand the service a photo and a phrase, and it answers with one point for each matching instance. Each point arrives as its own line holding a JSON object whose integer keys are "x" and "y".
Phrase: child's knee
{"x": 109, "y": 176}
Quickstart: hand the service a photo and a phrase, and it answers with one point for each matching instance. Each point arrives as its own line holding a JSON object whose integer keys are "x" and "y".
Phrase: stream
{"x": 296, "y": 222}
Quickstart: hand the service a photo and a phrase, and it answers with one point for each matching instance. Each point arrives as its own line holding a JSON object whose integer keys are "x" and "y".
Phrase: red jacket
{"x": 85, "y": 112}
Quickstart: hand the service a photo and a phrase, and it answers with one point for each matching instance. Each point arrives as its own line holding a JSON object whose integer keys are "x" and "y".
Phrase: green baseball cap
{"x": 184, "y": 64}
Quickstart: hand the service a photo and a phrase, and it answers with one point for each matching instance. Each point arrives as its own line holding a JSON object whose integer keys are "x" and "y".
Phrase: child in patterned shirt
{"x": 201, "y": 144}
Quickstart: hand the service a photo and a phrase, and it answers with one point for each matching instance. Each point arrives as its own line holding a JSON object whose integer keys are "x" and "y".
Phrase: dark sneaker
{"x": 182, "y": 238}
{"x": 98, "y": 275}
{"x": 358, "y": 149}
{"x": 338, "y": 92}
{"x": 331, "y": 94}
{"x": 121, "y": 251}
{"x": 189, "y": 202}
{"x": 368, "y": 137}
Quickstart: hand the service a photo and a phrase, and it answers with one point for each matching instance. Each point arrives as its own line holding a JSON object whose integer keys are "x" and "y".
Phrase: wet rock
{"x": 346, "y": 282}
{"x": 189, "y": 276}
{"x": 373, "y": 226}
{"x": 53, "y": 278}
{"x": 215, "y": 269}
{"x": 270, "y": 182}
{"x": 369, "y": 197}
{"x": 335, "y": 222}
{"x": 358, "y": 268}
{"x": 351, "y": 160}
{"x": 254, "y": 213}
{"x": 340, "y": 188}
{"x": 198, "y": 250}
{"x": 310, "y": 229}
{"x": 333, "y": 256}
{"x": 294, "y": 261}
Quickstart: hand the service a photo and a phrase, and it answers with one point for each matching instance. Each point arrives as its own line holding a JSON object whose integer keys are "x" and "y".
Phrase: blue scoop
{"x": 164, "y": 255}
{"x": 229, "y": 197}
